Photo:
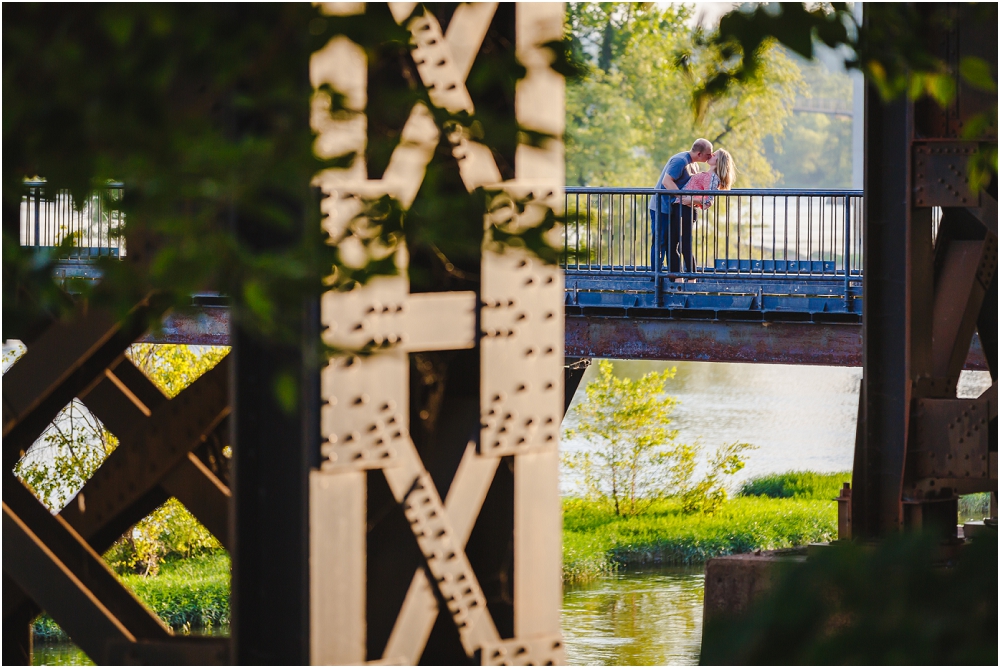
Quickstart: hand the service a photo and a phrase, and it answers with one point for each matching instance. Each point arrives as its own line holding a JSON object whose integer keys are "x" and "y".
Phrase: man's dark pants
{"x": 673, "y": 229}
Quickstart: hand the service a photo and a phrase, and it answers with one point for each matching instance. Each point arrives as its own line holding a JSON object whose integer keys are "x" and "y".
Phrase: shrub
{"x": 797, "y": 485}
{"x": 973, "y": 506}
{"x": 634, "y": 458}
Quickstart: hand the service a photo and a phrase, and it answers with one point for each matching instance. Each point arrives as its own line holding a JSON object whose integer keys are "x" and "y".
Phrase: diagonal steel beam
{"x": 65, "y": 576}
{"x": 146, "y": 455}
{"x": 420, "y": 610}
{"x": 122, "y": 399}
{"x": 43, "y": 555}
{"x": 60, "y": 365}
{"x": 29, "y": 562}
{"x": 202, "y": 493}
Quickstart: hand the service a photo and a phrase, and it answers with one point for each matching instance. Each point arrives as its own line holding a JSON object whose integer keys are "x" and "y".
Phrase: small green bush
{"x": 797, "y": 485}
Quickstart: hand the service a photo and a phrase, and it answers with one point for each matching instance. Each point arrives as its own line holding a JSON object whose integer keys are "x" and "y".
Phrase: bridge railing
{"x": 767, "y": 234}
{"x": 48, "y": 218}
{"x": 801, "y": 235}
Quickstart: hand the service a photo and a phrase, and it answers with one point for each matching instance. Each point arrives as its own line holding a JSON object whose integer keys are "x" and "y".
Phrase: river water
{"x": 645, "y": 618}
{"x": 799, "y": 417}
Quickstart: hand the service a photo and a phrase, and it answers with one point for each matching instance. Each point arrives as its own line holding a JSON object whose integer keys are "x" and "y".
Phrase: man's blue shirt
{"x": 677, "y": 169}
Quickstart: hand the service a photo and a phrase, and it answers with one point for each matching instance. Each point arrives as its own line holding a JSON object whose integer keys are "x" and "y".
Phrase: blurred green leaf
{"x": 978, "y": 73}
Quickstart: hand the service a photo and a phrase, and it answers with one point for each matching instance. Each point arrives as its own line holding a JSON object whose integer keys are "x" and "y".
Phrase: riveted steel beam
{"x": 60, "y": 365}
{"x": 65, "y": 576}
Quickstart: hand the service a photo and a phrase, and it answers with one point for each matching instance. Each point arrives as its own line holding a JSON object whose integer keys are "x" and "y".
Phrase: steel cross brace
{"x": 46, "y": 557}
{"x": 119, "y": 397}
{"x": 60, "y": 365}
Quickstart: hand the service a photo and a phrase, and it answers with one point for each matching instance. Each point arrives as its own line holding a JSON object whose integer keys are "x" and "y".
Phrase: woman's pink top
{"x": 703, "y": 181}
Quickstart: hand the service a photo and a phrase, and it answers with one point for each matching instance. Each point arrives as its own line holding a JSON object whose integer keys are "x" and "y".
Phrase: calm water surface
{"x": 648, "y": 618}
{"x": 799, "y": 417}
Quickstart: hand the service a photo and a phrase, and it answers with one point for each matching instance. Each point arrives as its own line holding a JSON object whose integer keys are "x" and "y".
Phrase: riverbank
{"x": 771, "y": 512}
{"x": 191, "y": 593}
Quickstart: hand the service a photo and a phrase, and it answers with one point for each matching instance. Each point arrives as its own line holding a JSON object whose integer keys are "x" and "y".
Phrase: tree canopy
{"x": 631, "y": 110}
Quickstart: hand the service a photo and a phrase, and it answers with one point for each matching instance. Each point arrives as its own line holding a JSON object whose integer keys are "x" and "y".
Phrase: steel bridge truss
{"x": 918, "y": 445}
{"x": 166, "y": 448}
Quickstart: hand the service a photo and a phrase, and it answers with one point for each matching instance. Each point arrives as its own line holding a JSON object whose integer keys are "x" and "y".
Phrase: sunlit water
{"x": 648, "y": 618}
{"x": 799, "y": 417}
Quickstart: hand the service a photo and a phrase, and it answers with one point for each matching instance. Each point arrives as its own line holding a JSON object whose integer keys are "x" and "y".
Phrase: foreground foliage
{"x": 895, "y": 604}
{"x": 597, "y": 542}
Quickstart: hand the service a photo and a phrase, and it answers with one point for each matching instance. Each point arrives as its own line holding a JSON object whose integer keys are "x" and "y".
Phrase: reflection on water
{"x": 648, "y": 618}
{"x": 62, "y": 653}
{"x": 65, "y": 653}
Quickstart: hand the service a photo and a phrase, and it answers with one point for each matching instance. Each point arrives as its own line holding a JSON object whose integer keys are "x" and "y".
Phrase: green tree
{"x": 891, "y": 49}
{"x": 631, "y": 111}
{"x": 634, "y": 456}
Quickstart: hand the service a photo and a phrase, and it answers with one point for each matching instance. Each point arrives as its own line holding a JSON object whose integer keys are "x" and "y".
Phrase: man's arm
{"x": 668, "y": 183}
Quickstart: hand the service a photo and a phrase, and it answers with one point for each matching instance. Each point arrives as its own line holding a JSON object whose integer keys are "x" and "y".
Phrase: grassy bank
{"x": 770, "y": 513}
{"x": 190, "y": 593}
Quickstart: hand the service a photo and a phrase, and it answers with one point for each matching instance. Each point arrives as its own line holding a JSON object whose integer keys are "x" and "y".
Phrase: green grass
{"x": 190, "y": 593}
{"x": 797, "y": 485}
{"x": 973, "y": 506}
{"x": 596, "y": 541}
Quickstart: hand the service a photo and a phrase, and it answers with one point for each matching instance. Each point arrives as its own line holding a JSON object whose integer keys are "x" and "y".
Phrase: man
{"x": 671, "y": 220}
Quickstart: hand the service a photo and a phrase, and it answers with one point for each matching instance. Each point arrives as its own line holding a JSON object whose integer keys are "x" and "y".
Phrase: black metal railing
{"x": 47, "y": 219}
{"x": 783, "y": 235}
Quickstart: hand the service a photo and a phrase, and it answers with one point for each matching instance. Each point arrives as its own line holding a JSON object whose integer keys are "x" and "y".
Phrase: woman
{"x": 720, "y": 176}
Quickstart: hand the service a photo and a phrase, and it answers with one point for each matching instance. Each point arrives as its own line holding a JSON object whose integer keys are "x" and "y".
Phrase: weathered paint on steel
{"x": 809, "y": 343}
{"x": 201, "y": 325}
{"x": 646, "y": 338}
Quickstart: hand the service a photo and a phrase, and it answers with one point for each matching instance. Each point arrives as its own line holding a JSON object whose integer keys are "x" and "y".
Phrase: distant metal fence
{"x": 798, "y": 235}
{"x": 48, "y": 218}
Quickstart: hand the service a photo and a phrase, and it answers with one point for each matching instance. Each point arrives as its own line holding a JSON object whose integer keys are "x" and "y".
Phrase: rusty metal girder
{"x": 124, "y": 401}
{"x": 121, "y": 400}
{"x": 59, "y": 570}
{"x": 941, "y": 174}
{"x": 954, "y": 446}
{"x": 823, "y": 344}
{"x": 178, "y": 651}
{"x": 147, "y": 454}
{"x": 60, "y": 365}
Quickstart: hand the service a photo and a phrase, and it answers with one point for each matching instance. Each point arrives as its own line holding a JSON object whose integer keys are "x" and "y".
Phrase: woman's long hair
{"x": 725, "y": 168}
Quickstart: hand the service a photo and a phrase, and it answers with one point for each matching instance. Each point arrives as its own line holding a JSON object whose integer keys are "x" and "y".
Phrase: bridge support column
{"x": 918, "y": 445}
